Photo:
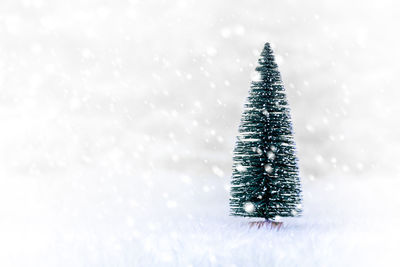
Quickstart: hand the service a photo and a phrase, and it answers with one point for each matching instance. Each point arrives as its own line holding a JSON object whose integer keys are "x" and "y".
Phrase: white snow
{"x": 268, "y": 168}
{"x": 249, "y": 207}
{"x": 353, "y": 224}
{"x": 271, "y": 155}
{"x": 241, "y": 168}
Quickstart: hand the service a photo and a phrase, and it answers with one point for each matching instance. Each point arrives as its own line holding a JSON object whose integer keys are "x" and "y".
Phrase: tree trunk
{"x": 267, "y": 223}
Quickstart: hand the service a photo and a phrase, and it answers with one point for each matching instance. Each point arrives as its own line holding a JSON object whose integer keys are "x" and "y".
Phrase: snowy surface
{"x": 118, "y": 121}
{"x": 346, "y": 223}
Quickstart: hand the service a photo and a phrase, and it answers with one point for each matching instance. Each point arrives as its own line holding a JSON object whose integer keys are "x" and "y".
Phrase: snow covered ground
{"x": 118, "y": 119}
{"x": 346, "y": 223}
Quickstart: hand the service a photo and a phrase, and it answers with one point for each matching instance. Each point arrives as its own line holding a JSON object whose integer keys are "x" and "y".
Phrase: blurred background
{"x": 108, "y": 107}
{"x": 160, "y": 85}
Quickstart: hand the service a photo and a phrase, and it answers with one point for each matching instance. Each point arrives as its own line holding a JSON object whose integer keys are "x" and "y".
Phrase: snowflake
{"x": 217, "y": 171}
{"x": 268, "y": 168}
{"x": 249, "y": 207}
{"x": 240, "y": 168}
{"x": 271, "y": 155}
{"x": 257, "y": 150}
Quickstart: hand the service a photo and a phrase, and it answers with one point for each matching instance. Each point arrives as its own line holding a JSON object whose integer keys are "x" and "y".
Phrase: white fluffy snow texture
{"x": 118, "y": 120}
{"x": 346, "y": 223}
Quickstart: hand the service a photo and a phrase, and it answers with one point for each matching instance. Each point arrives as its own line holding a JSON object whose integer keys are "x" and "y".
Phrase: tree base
{"x": 267, "y": 224}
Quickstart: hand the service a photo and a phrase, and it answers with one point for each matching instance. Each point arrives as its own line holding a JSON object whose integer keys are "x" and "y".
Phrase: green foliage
{"x": 265, "y": 179}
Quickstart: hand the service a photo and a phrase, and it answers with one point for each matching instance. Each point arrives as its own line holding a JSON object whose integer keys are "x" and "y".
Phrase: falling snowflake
{"x": 249, "y": 207}
{"x": 268, "y": 168}
{"x": 257, "y": 150}
{"x": 241, "y": 168}
{"x": 217, "y": 171}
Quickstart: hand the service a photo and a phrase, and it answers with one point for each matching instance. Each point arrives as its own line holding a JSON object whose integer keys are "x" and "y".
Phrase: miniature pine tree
{"x": 265, "y": 178}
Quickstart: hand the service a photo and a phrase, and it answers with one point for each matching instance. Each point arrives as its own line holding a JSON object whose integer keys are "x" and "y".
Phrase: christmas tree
{"x": 265, "y": 178}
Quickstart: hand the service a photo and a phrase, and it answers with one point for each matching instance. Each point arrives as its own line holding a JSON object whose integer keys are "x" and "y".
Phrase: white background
{"x": 118, "y": 121}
